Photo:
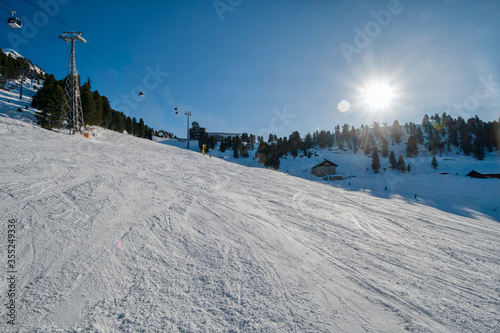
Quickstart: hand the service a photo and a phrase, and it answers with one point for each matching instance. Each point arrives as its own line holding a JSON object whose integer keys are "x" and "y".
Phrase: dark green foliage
{"x": 223, "y": 146}
{"x": 118, "y": 121}
{"x": 88, "y": 105}
{"x": 97, "y": 116}
{"x": 354, "y": 137}
{"x": 385, "y": 148}
{"x": 141, "y": 129}
{"x": 294, "y": 143}
{"x": 401, "y": 166}
{"x": 236, "y": 145}
{"x": 326, "y": 139}
{"x": 129, "y": 128}
{"x": 243, "y": 149}
{"x": 12, "y": 68}
{"x": 495, "y": 134}
{"x": 366, "y": 141}
{"x": 96, "y": 108}
{"x": 411, "y": 146}
{"x": 269, "y": 155}
{"x": 392, "y": 160}
{"x": 135, "y": 126}
{"x": 375, "y": 161}
{"x": 419, "y": 136}
{"x": 203, "y": 140}
{"x": 252, "y": 141}
{"x": 308, "y": 143}
{"x": 465, "y": 142}
{"x": 377, "y": 131}
{"x": 346, "y": 133}
{"x": 106, "y": 112}
{"x": 478, "y": 149}
{"x": 397, "y": 131}
{"x": 49, "y": 100}
{"x": 434, "y": 162}
{"x": 212, "y": 142}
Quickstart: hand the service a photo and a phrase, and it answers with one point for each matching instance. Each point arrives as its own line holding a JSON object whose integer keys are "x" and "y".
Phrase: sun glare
{"x": 379, "y": 95}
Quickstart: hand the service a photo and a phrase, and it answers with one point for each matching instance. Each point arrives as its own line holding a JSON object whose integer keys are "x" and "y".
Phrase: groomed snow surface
{"x": 213, "y": 246}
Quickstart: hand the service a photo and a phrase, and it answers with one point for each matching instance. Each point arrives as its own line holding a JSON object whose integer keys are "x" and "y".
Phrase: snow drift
{"x": 210, "y": 246}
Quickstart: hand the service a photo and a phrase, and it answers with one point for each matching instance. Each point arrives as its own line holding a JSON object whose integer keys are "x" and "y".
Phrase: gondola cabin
{"x": 14, "y": 22}
{"x": 141, "y": 94}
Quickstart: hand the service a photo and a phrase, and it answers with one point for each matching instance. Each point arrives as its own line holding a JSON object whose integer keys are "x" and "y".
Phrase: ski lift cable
{"x": 88, "y": 42}
{"x": 130, "y": 74}
{"x": 26, "y": 18}
{"x": 91, "y": 44}
{"x": 69, "y": 29}
{"x": 125, "y": 72}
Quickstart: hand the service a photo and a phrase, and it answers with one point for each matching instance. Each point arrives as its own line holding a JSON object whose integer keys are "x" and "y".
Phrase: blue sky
{"x": 280, "y": 66}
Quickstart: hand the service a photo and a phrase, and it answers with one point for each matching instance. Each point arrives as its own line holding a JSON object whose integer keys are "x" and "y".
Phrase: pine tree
{"x": 106, "y": 113}
{"x": 392, "y": 160}
{"x": 397, "y": 131}
{"x": 375, "y": 161}
{"x": 434, "y": 162}
{"x": 135, "y": 127}
{"x": 385, "y": 148}
{"x": 252, "y": 141}
{"x": 49, "y": 100}
{"x": 401, "y": 164}
{"x": 88, "y": 106}
{"x": 128, "y": 126}
{"x": 346, "y": 133}
{"x": 243, "y": 150}
{"x": 478, "y": 149}
{"x": 141, "y": 129}
{"x": 308, "y": 142}
{"x": 236, "y": 146}
{"x": 222, "y": 147}
{"x": 377, "y": 131}
{"x": 212, "y": 142}
{"x": 97, "y": 116}
{"x": 118, "y": 121}
{"x": 411, "y": 146}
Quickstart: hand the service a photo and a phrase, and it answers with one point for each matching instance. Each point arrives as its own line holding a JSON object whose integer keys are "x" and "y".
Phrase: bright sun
{"x": 379, "y": 95}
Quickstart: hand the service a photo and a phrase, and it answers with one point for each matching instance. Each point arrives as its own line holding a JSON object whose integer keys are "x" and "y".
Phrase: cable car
{"x": 141, "y": 94}
{"x": 14, "y": 22}
{"x": 176, "y": 112}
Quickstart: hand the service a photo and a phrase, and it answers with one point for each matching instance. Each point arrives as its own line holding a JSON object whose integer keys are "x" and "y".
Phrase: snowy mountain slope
{"x": 14, "y": 54}
{"x": 446, "y": 188}
{"x": 10, "y": 103}
{"x": 214, "y": 246}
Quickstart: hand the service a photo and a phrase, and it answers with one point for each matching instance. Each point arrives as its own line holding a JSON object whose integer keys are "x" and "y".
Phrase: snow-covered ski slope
{"x": 212, "y": 246}
{"x": 446, "y": 187}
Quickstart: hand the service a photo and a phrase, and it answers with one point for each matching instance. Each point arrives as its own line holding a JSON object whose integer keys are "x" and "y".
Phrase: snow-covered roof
{"x": 325, "y": 163}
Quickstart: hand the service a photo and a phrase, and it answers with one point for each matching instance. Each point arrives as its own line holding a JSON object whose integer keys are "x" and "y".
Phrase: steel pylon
{"x": 72, "y": 106}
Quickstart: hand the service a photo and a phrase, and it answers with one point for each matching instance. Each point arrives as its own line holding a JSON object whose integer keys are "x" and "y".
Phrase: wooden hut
{"x": 325, "y": 168}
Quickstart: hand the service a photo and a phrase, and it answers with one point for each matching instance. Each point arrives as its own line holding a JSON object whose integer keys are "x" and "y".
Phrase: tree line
{"x": 11, "y": 68}
{"x": 437, "y": 133}
{"x": 96, "y": 110}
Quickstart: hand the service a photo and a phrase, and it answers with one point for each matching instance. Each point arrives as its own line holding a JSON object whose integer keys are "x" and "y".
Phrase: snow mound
{"x": 119, "y": 234}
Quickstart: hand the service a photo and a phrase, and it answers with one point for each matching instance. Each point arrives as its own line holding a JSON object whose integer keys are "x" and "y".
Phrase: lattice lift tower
{"x": 72, "y": 106}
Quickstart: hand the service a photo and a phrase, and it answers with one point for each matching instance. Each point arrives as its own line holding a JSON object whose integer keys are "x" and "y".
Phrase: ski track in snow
{"x": 210, "y": 246}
